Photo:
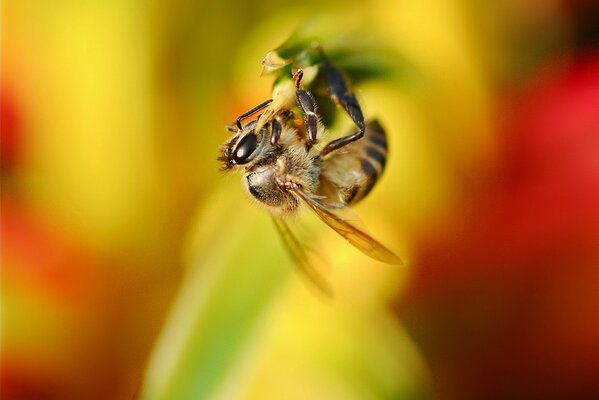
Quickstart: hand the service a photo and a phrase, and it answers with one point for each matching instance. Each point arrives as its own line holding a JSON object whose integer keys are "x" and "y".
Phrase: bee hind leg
{"x": 341, "y": 142}
{"x": 344, "y": 98}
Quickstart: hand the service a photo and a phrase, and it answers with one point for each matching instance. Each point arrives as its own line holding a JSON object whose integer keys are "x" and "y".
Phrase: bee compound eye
{"x": 244, "y": 149}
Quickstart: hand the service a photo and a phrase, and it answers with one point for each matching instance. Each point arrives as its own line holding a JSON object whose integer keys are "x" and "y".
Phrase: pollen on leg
{"x": 280, "y": 183}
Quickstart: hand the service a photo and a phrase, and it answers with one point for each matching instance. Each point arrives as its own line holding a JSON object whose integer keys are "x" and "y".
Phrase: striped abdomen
{"x": 350, "y": 173}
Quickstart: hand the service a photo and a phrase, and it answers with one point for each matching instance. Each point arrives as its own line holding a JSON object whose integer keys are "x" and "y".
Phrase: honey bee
{"x": 283, "y": 167}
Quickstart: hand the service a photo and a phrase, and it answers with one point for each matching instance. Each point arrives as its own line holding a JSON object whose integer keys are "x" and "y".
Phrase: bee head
{"x": 243, "y": 147}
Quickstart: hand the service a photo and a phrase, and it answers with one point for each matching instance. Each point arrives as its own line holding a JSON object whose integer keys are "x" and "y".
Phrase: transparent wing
{"x": 299, "y": 256}
{"x": 358, "y": 238}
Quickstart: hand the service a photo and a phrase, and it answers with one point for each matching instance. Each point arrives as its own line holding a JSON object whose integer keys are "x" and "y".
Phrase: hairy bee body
{"x": 287, "y": 161}
{"x": 349, "y": 175}
{"x": 284, "y": 165}
{"x": 338, "y": 179}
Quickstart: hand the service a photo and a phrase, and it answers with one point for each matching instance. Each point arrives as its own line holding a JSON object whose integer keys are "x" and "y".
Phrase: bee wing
{"x": 358, "y": 238}
{"x": 300, "y": 258}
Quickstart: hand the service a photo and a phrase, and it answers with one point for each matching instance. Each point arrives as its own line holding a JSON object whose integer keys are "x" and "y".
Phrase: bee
{"x": 283, "y": 168}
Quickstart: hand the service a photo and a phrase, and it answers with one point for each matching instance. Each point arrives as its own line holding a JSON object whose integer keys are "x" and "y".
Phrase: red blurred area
{"x": 27, "y": 379}
{"x": 10, "y": 130}
{"x": 42, "y": 263}
{"x": 62, "y": 314}
{"x": 35, "y": 252}
{"x": 504, "y": 297}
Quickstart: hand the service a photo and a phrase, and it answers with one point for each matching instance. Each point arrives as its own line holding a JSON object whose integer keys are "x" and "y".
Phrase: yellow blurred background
{"x": 133, "y": 268}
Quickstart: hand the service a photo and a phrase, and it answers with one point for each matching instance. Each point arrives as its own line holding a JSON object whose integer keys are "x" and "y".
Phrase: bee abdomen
{"x": 351, "y": 172}
{"x": 373, "y": 156}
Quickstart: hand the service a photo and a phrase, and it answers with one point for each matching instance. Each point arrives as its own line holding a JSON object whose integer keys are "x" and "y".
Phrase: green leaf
{"x": 236, "y": 267}
{"x": 359, "y": 54}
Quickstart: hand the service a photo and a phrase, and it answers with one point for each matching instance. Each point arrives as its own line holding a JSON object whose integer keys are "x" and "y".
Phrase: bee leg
{"x": 308, "y": 106}
{"x": 285, "y": 186}
{"x": 237, "y": 122}
{"x": 341, "y": 142}
{"x": 277, "y": 125}
{"x": 275, "y": 131}
{"x": 343, "y": 97}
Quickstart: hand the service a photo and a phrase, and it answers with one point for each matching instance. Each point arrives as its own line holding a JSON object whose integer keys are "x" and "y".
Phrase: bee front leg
{"x": 277, "y": 125}
{"x": 275, "y": 131}
{"x": 308, "y": 106}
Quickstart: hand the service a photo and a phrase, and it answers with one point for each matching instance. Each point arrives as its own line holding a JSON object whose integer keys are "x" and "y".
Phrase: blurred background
{"x": 133, "y": 268}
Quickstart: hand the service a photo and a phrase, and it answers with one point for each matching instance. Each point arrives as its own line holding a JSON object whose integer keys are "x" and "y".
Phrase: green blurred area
{"x": 132, "y": 267}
